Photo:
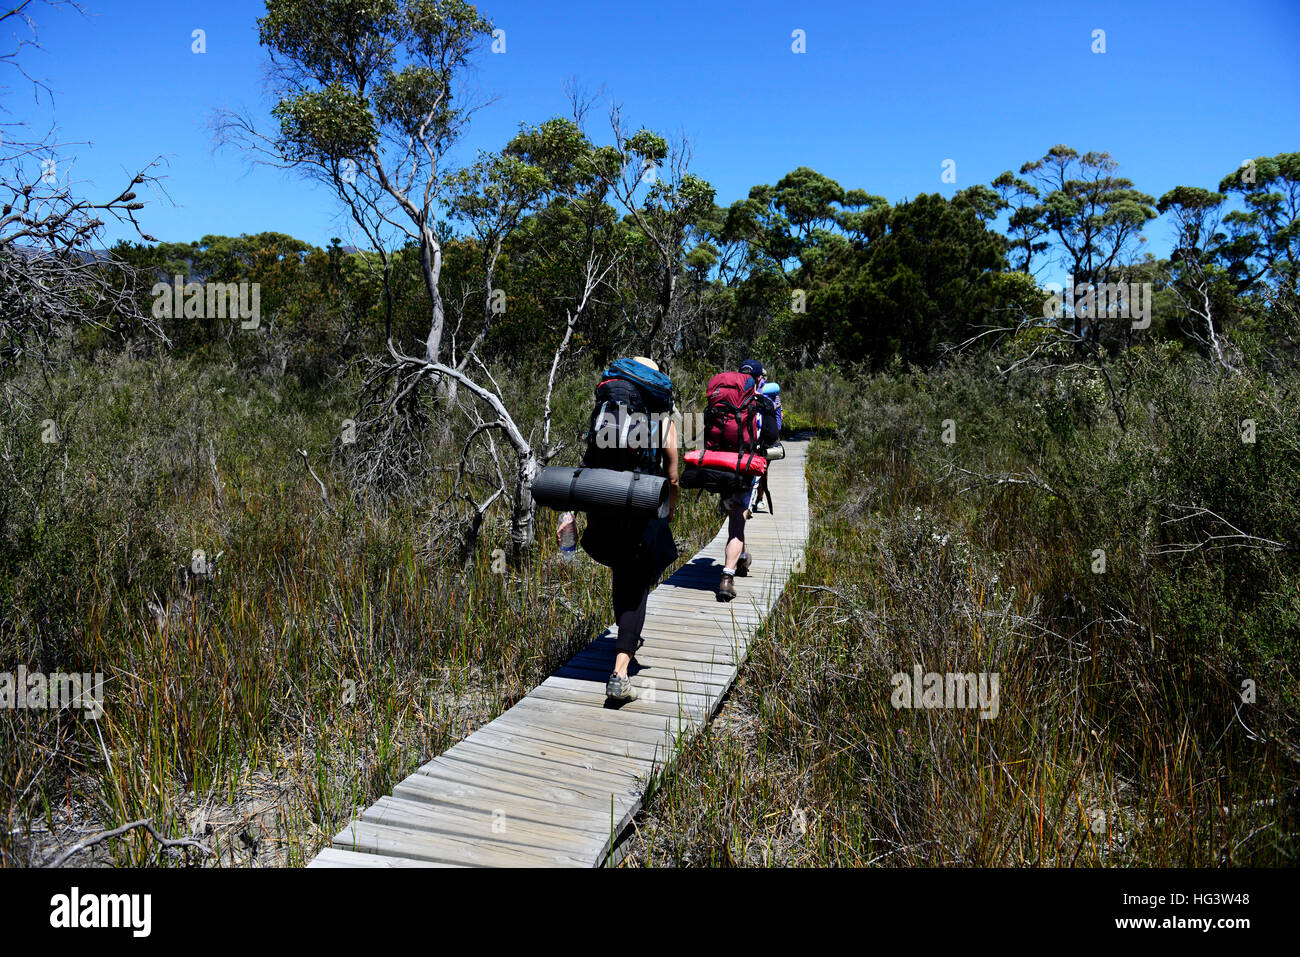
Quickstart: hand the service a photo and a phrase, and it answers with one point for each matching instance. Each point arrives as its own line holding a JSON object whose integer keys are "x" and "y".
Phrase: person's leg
{"x": 735, "y": 536}
{"x": 631, "y": 593}
{"x": 735, "y": 546}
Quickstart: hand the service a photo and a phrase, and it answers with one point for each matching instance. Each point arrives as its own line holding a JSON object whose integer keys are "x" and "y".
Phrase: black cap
{"x": 753, "y": 367}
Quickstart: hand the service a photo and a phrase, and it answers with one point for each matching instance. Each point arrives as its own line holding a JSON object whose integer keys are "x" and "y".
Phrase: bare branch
{"x": 163, "y": 842}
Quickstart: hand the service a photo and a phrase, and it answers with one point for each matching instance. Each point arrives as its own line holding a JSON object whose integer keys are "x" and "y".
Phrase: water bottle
{"x": 568, "y": 536}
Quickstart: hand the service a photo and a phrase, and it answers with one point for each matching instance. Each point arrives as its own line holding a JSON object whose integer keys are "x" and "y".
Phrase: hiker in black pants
{"x": 637, "y": 549}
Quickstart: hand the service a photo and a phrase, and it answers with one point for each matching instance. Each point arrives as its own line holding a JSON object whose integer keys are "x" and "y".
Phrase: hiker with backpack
{"x": 632, "y": 428}
{"x": 731, "y": 425}
{"x": 769, "y": 424}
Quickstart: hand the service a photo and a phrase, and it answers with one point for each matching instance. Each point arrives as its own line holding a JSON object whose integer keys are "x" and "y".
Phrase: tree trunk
{"x": 524, "y": 510}
{"x": 431, "y": 261}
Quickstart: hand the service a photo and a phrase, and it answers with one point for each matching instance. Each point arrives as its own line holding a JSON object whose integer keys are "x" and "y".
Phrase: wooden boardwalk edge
{"x": 557, "y": 779}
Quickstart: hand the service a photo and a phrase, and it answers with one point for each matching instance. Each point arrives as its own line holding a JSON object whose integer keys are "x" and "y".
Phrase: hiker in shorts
{"x": 736, "y": 506}
{"x": 737, "y": 561}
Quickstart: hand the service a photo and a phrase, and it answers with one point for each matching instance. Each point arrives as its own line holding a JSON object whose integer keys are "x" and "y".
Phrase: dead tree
{"x": 53, "y": 276}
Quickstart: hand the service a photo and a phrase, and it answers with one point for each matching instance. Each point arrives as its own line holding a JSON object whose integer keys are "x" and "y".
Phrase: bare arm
{"x": 672, "y": 456}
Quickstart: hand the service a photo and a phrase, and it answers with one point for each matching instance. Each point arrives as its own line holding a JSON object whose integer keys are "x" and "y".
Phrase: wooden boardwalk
{"x": 555, "y": 780}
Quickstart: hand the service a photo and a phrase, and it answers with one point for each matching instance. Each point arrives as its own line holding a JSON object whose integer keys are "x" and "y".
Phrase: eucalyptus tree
{"x": 805, "y": 214}
{"x": 1094, "y": 216}
{"x": 1026, "y": 225}
{"x": 1264, "y": 237}
{"x": 1200, "y": 283}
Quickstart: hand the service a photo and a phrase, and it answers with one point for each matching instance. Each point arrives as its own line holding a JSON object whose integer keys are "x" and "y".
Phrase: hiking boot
{"x": 727, "y": 587}
{"x": 742, "y": 566}
{"x": 619, "y": 688}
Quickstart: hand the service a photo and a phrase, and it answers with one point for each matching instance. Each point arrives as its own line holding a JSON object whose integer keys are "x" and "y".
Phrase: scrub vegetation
{"x": 296, "y": 535}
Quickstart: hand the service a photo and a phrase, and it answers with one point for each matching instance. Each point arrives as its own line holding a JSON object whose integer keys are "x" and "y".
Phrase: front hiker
{"x": 632, "y": 428}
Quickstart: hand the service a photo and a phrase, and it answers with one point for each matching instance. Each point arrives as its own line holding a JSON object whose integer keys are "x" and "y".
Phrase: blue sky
{"x": 884, "y": 94}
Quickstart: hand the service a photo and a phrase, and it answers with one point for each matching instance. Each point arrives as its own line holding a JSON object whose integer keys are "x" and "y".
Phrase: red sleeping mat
{"x": 742, "y": 462}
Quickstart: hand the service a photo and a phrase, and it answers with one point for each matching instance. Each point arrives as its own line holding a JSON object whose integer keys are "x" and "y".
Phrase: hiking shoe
{"x": 727, "y": 587}
{"x": 619, "y": 688}
{"x": 742, "y": 566}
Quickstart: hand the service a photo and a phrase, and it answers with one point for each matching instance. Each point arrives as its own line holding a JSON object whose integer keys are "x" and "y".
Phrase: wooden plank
{"x": 367, "y": 837}
{"x": 593, "y": 693}
{"x": 521, "y": 786}
{"x": 593, "y": 696}
{"x": 611, "y": 812}
{"x": 666, "y": 648}
{"x": 664, "y": 682}
{"x": 702, "y": 599}
{"x": 333, "y": 857}
{"x": 650, "y": 661}
{"x": 599, "y": 757}
{"x": 490, "y": 823}
{"x": 547, "y": 762}
{"x": 695, "y": 602}
{"x": 659, "y": 626}
{"x": 582, "y": 734}
{"x": 657, "y": 681}
{"x": 466, "y": 771}
{"x": 611, "y": 725}
{"x": 669, "y": 615}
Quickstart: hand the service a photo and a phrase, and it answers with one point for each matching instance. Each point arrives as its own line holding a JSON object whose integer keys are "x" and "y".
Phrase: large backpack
{"x": 731, "y": 413}
{"x": 656, "y": 387}
{"x": 730, "y": 425}
{"x": 625, "y": 432}
{"x": 625, "y": 428}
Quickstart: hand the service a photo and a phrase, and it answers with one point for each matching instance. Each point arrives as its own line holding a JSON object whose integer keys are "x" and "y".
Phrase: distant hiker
{"x": 769, "y": 425}
{"x": 731, "y": 425}
{"x": 637, "y": 399}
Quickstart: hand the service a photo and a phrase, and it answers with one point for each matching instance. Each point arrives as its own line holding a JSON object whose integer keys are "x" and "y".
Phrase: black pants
{"x": 631, "y": 589}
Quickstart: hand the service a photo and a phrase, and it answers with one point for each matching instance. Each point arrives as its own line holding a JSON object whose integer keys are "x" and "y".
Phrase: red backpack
{"x": 731, "y": 416}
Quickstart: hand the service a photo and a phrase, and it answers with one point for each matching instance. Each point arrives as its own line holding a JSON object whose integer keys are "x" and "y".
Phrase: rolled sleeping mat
{"x": 775, "y": 453}
{"x": 772, "y": 388}
{"x": 744, "y": 463}
{"x": 583, "y": 489}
